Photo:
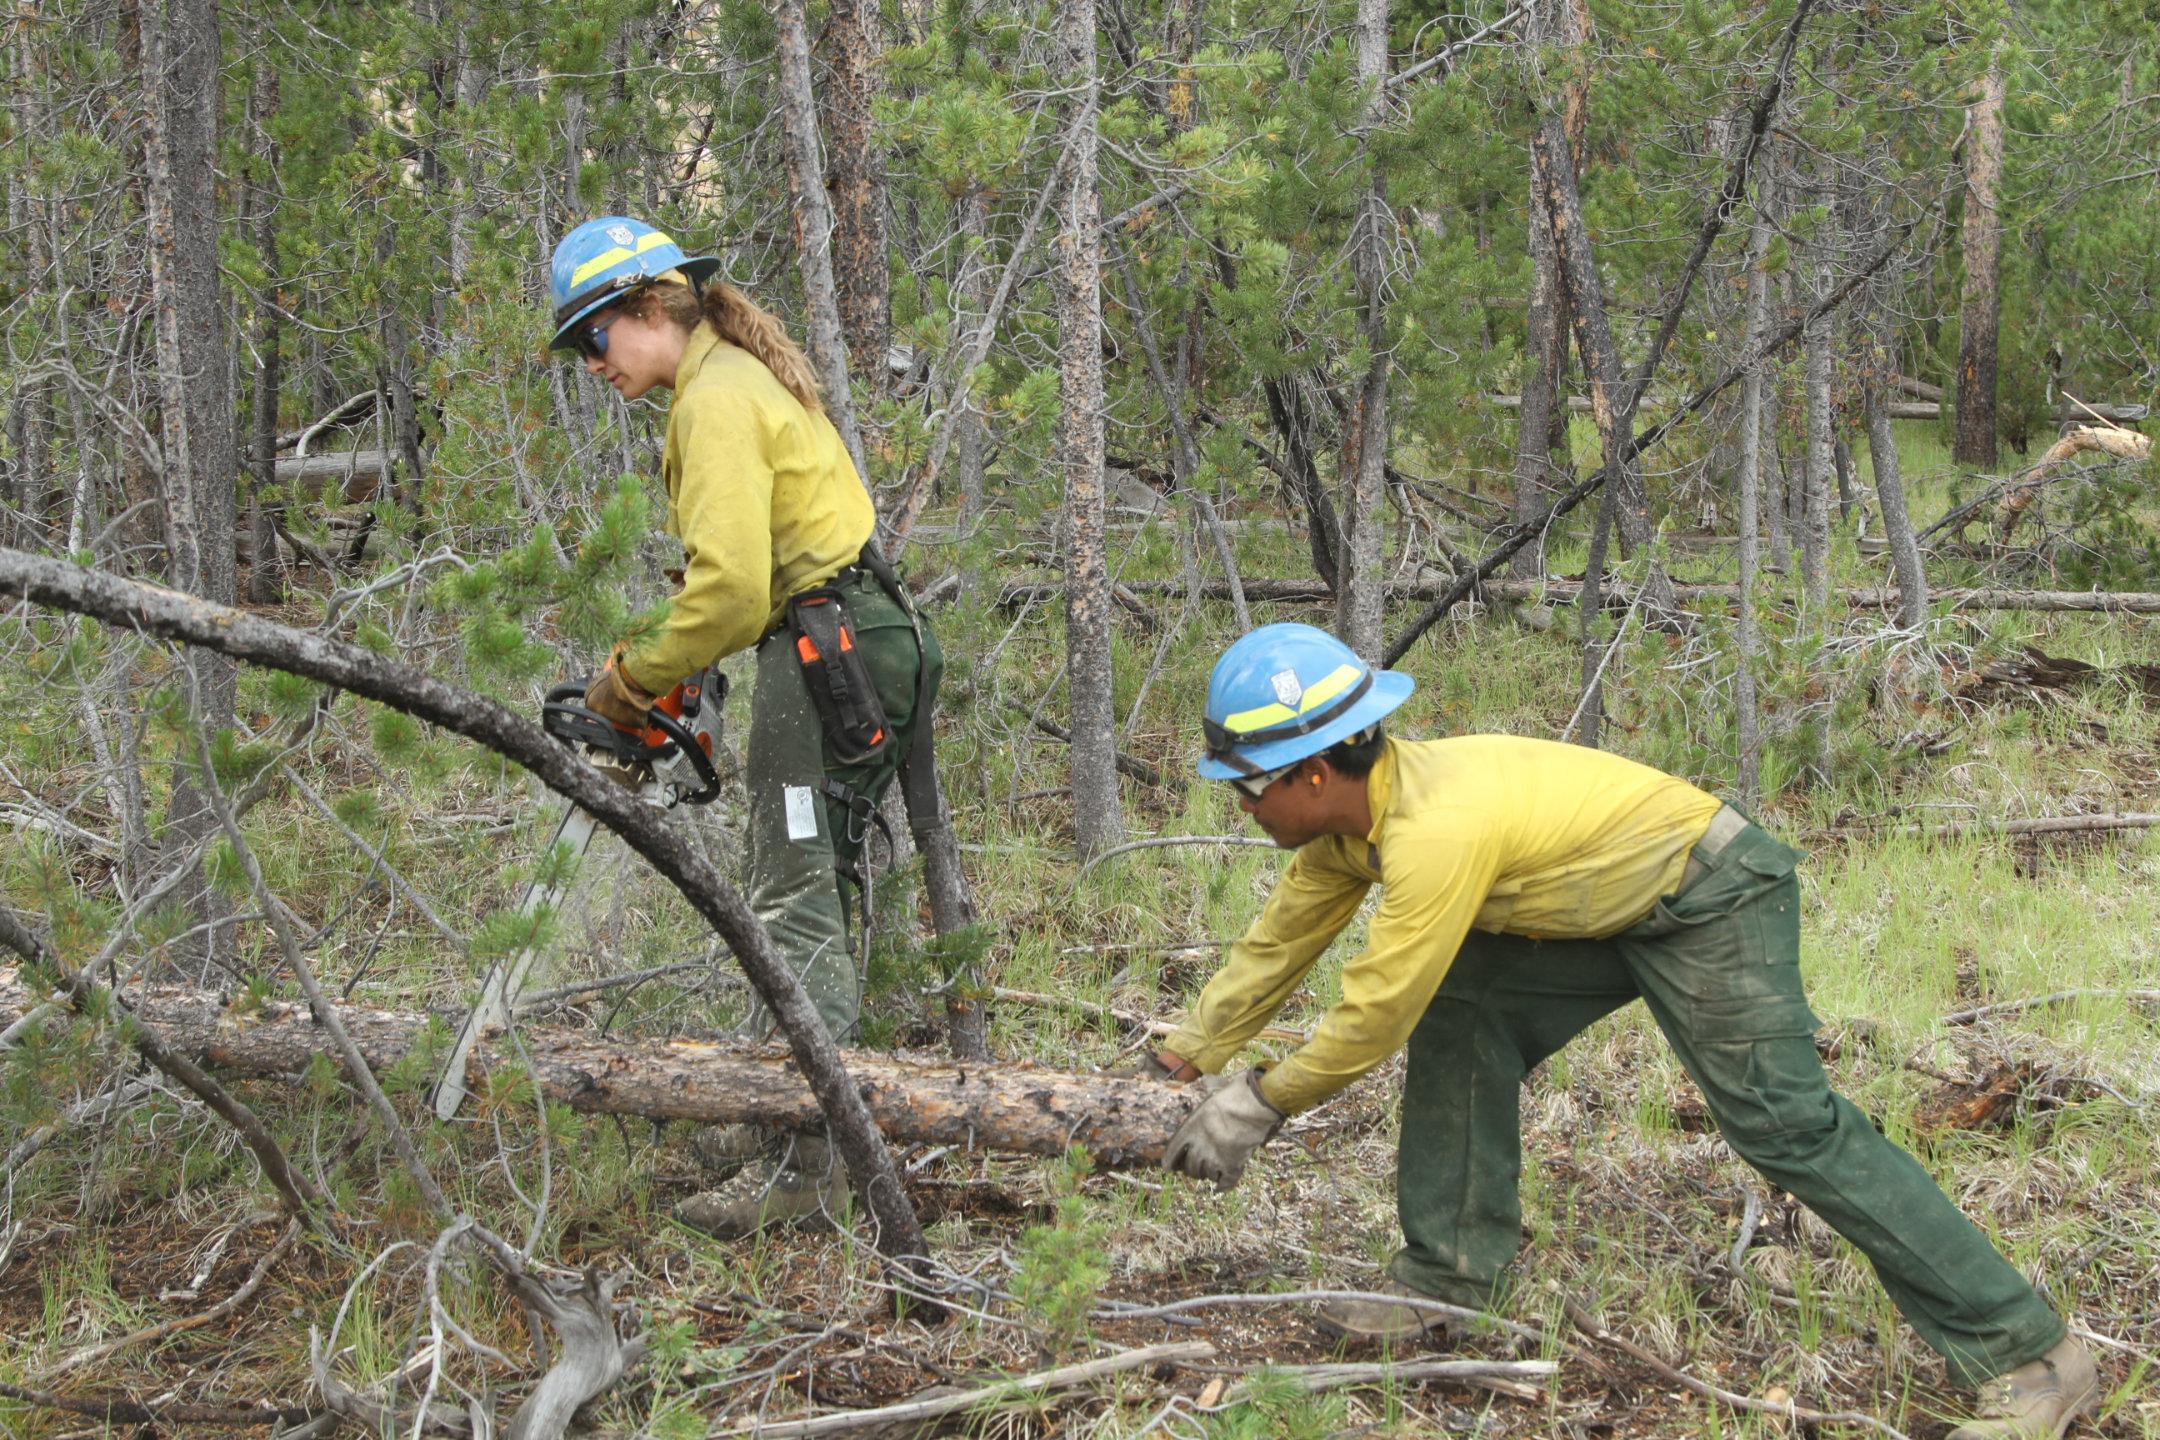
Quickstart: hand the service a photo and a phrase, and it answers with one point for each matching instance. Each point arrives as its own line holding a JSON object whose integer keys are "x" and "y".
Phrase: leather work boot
{"x": 2038, "y": 1400}
{"x": 725, "y": 1149}
{"x": 800, "y": 1188}
{"x": 1380, "y": 1322}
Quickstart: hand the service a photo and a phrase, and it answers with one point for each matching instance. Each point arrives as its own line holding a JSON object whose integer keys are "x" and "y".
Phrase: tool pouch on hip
{"x": 837, "y": 676}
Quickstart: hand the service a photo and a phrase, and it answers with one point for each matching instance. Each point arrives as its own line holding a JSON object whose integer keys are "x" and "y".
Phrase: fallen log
{"x": 2122, "y": 444}
{"x": 357, "y": 473}
{"x": 1923, "y": 406}
{"x": 1121, "y": 1123}
{"x": 2066, "y": 409}
{"x": 1561, "y": 592}
{"x": 2014, "y": 495}
{"x": 2063, "y": 414}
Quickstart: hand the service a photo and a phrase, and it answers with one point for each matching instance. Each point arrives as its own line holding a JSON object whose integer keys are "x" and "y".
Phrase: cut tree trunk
{"x": 1120, "y": 1122}
{"x": 2064, "y": 412}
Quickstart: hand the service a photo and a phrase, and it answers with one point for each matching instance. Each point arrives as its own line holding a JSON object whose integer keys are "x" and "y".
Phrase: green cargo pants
{"x": 801, "y": 834}
{"x": 1718, "y": 965}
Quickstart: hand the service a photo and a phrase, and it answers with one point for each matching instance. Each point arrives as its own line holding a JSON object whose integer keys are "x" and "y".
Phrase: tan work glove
{"x": 616, "y": 697}
{"x": 1218, "y": 1138}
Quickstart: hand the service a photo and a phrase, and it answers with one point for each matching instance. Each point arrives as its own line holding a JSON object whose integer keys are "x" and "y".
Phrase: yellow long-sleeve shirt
{"x": 764, "y": 498}
{"x": 1524, "y": 837}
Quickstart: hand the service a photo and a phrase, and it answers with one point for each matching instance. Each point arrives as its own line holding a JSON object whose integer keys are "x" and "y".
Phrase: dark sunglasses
{"x": 1256, "y": 785}
{"x": 590, "y": 339}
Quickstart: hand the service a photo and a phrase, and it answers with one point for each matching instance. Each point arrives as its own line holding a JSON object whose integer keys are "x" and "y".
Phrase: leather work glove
{"x": 616, "y": 697}
{"x": 1218, "y": 1138}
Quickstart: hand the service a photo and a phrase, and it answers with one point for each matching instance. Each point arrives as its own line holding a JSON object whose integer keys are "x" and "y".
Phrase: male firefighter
{"x": 1527, "y": 889}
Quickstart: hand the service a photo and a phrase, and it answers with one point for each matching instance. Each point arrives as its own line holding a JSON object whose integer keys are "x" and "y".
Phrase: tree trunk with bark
{"x": 1562, "y": 204}
{"x": 974, "y": 289}
{"x": 1544, "y": 358}
{"x": 855, "y": 179}
{"x": 1097, "y": 818}
{"x": 1980, "y": 306}
{"x": 1323, "y": 532}
{"x": 266, "y": 577}
{"x": 1292, "y": 421}
{"x": 181, "y": 63}
{"x": 181, "y": 60}
{"x": 1747, "y": 713}
{"x": 1878, "y": 377}
{"x": 30, "y": 403}
{"x": 1621, "y": 506}
{"x": 1905, "y": 560}
{"x": 1014, "y": 1108}
{"x": 1364, "y": 452}
{"x": 1819, "y": 457}
{"x": 814, "y": 225}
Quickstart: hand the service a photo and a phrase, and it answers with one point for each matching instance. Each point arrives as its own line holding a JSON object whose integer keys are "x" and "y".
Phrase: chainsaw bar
{"x": 669, "y": 763}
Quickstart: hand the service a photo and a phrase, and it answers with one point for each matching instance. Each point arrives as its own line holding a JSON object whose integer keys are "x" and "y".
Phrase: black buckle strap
{"x": 568, "y": 308}
{"x": 1221, "y": 742}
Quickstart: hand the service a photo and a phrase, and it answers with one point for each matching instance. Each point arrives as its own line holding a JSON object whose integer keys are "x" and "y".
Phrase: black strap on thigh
{"x": 918, "y": 769}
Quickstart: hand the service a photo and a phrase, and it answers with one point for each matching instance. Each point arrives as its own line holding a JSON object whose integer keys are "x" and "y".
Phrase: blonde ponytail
{"x": 742, "y": 321}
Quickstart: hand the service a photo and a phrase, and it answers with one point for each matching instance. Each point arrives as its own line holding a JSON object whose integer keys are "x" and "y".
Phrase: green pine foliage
{"x": 419, "y": 159}
{"x": 1062, "y": 1265}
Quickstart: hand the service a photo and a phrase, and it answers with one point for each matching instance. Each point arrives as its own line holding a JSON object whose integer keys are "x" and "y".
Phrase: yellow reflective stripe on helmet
{"x": 1316, "y": 695}
{"x": 599, "y": 263}
{"x": 616, "y": 256}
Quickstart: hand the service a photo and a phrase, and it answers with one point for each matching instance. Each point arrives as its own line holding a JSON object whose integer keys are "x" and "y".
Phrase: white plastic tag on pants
{"x": 801, "y": 812}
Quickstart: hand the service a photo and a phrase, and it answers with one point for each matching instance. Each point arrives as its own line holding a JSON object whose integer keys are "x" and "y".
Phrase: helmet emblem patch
{"x": 620, "y": 234}
{"x": 1287, "y": 688}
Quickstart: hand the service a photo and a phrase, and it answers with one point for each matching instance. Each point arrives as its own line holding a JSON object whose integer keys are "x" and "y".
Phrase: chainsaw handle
{"x": 567, "y": 718}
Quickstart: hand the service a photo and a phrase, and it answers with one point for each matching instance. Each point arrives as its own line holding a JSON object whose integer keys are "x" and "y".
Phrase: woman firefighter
{"x": 776, "y": 531}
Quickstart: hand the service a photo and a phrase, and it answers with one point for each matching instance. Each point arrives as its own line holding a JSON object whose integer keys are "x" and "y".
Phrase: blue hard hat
{"x": 602, "y": 258}
{"x": 1283, "y": 692}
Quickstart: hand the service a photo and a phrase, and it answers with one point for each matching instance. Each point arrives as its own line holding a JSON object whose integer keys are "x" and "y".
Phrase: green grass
{"x": 1631, "y": 1207}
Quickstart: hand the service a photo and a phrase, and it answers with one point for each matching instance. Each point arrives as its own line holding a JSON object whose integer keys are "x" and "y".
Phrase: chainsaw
{"x": 669, "y": 763}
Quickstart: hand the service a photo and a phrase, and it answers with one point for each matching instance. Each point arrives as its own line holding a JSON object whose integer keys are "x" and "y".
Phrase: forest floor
{"x": 2039, "y": 1119}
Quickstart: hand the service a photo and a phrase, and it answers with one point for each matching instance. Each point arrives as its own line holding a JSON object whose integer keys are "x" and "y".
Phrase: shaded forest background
{"x": 1756, "y": 389}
